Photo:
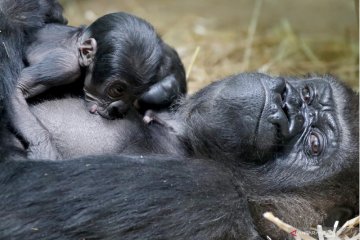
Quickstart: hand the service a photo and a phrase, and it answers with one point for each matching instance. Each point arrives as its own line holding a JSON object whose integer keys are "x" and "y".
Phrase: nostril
{"x": 284, "y": 95}
{"x": 286, "y": 110}
{"x": 283, "y": 98}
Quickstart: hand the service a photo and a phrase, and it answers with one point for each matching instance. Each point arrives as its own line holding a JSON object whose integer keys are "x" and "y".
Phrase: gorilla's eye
{"x": 116, "y": 91}
{"x": 315, "y": 144}
{"x": 306, "y": 94}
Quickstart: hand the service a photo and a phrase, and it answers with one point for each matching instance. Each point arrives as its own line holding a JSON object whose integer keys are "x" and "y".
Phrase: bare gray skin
{"x": 75, "y": 132}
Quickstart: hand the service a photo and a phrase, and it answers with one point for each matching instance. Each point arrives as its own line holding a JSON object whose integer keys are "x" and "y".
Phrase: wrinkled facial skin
{"x": 312, "y": 148}
{"x": 310, "y": 109}
{"x": 305, "y": 116}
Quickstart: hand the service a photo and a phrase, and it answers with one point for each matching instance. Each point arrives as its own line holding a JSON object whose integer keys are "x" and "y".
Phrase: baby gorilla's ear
{"x": 87, "y": 52}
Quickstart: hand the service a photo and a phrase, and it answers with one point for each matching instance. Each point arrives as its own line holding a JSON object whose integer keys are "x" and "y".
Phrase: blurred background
{"x": 216, "y": 38}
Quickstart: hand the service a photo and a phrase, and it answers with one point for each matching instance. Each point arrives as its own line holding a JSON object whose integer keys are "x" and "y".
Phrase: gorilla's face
{"x": 256, "y": 117}
{"x": 109, "y": 98}
{"x": 282, "y": 139}
{"x": 304, "y": 116}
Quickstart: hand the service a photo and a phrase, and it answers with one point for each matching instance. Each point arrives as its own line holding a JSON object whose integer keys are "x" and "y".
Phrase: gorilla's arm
{"x": 157, "y": 198}
{"x": 127, "y": 197}
{"x": 18, "y": 20}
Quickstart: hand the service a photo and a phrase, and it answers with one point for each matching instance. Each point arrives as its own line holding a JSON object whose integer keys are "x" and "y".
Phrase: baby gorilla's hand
{"x": 161, "y": 94}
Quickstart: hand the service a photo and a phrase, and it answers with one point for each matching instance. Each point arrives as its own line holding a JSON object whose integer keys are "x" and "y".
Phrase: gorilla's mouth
{"x": 281, "y": 115}
{"x": 110, "y": 111}
{"x": 114, "y": 110}
{"x": 283, "y": 95}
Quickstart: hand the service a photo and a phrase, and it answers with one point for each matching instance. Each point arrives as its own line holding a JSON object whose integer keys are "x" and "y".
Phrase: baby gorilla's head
{"x": 123, "y": 56}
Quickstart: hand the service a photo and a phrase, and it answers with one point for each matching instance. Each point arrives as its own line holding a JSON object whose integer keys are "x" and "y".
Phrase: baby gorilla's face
{"x": 111, "y": 99}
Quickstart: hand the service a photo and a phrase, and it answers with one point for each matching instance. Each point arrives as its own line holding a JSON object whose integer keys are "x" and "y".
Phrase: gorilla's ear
{"x": 87, "y": 52}
{"x": 341, "y": 214}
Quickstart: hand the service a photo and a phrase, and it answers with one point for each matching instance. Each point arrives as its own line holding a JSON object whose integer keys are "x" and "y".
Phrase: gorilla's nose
{"x": 287, "y": 113}
{"x": 292, "y": 108}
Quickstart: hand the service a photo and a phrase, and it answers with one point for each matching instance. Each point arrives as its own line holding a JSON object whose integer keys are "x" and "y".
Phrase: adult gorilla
{"x": 256, "y": 144}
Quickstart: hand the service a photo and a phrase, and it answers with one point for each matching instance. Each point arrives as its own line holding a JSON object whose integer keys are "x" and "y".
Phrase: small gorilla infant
{"x": 122, "y": 56}
{"x": 124, "y": 62}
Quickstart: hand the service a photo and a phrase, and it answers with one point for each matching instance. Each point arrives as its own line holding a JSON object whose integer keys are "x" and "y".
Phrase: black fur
{"x": 20, "y": 19}
{"x": 220, "y": 192}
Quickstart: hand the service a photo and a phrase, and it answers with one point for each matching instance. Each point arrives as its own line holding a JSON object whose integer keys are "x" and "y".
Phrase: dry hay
{"x": 349, "y": 231}
{"x": 233, "y": 47}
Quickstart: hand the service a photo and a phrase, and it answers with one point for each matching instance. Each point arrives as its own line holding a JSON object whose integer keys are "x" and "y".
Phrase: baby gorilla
{"x": 121, "y": 58}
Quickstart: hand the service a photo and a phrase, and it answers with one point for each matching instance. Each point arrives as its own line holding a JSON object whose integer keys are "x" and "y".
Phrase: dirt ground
{"x": 216, "y": 38}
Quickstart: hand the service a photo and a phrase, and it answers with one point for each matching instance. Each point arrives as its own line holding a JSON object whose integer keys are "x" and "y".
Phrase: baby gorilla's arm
{"x": 51, "y": 69}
